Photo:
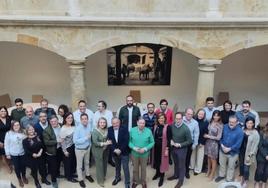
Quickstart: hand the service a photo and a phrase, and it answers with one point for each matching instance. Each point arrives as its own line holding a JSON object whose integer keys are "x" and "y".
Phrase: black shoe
{"x": 73, "y": 180}
{"x": 195, "y": 173}
{"x": 90, "y": 179}
{"x": 82, "y": 183}
{"x": 155, "y": 176}
{"x": 116, "y": 180}
{"x": 218, "y": 179}
{"x": 187, "y": 175}
{"x": 161, "y": 181}
{"x": 12, "y": 186}
{"x": 172, "y": 178}
{"x": 45, "y": 181}
{"x": 37, "y": 185}
{"x": 179, "y": 184}
{"x": 112, "y": 163}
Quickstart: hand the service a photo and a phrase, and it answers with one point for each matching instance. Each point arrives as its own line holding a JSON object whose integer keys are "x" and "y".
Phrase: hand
{"x": 177, "y": 145}
{"x": 8, "y": 157}
{"x": 193, "y": 147}
{"x": 117, "y": 151}
{"x": 34, "y": 155}
{"x": 200, "y": 145}
{"x": 89, "y": 136}
{"x": 136, "y": 149}
{"x": 166, "y": 152}
{"x": 172, "y": 143}
{"x": 66, "y": 153}
{"x": 1, "y": 145}
{"x": 141, "y": 151}
{"x": 266, "y": 158}
{"x": 108, "y": 142}
{"x": 206, "y": 136}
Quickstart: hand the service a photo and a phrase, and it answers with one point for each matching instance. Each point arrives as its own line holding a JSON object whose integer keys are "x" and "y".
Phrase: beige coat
{"x": 252, "y": 147}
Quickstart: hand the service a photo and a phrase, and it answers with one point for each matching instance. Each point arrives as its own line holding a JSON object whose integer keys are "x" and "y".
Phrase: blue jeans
{"x": 124, "y": 160}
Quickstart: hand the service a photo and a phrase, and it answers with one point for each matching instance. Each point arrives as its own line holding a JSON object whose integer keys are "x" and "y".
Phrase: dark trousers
{"x": 243, "y": 169}
{"x": 69, "y": 163}
{"x": 110, "y": 158}
{"x": 19, "y": 165}
{"x": 179, "y": 158}
{"x": 59, "y": 158}
{"x": 261, "y": 173}
{"x": 52, "y": 167}
{"x": 38, "y": 164}
{"x": 124, "y": 160}
{"x": 157, "y": 169}
{"x": 188, "y": 158}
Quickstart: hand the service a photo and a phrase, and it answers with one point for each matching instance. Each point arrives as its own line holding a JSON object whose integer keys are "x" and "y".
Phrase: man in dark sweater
{"x": 19, "y": 111}
{"x": 180, "y": 140}
{"x": 129, "y": 114}
{"x": 44, "y": 108}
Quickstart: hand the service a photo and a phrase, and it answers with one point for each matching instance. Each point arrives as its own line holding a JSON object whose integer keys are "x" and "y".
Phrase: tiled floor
{"x": 199, "y": 181}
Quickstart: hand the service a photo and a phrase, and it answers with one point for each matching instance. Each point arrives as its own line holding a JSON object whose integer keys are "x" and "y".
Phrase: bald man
{"x": 29, "y": 119}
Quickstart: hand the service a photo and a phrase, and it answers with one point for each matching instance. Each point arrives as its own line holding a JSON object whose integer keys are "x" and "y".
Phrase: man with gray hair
{"x": 232, "y": 137}
{"x": 193, "y": 126}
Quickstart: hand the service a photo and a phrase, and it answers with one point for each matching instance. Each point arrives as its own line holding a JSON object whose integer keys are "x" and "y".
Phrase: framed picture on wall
{"x": 139, "y": 64}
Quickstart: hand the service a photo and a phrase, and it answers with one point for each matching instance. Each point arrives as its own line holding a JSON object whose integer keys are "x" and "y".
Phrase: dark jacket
{"x": 49, "y": 111}
{"x": 123, "y": 115}
{"x": 263, "y": 149}
{"x": 50, "y": 140}
{"x": 123, "y": 139}
{"x": 225, "y": 115}
{"x": 39, "y": 130}
{"x": 203, "y": 129}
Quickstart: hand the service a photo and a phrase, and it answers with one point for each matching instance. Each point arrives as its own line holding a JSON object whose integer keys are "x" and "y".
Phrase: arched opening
{"x": 27, "y": 70}
{"x": 244, "y": 75}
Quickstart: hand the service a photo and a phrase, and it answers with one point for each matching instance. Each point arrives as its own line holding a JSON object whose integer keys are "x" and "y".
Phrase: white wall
{"x": 27, "y": 70}
{"x": 244, "y": 76}
{"x": 181, "y": 90}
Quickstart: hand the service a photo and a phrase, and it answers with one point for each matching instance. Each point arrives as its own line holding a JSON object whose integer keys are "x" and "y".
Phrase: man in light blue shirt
{"x": 82, "y": 141}
{"x": 83, "y": 109}
{"x": 192, "y": 124}
{"x": 209, "y": 108}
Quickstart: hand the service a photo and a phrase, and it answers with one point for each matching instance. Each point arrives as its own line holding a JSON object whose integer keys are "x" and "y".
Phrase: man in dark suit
{"x": 129, "y": 114}
{"x": 120, "y": 137}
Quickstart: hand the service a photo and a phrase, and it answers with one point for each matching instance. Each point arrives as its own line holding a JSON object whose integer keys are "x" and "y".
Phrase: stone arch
{"x": 245, "y": 44}
{"x": 31, "y": 40}
{"x": 115, "y": 41}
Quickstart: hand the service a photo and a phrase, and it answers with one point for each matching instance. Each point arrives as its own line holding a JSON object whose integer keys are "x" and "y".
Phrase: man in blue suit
{"x": 120, "y": 137}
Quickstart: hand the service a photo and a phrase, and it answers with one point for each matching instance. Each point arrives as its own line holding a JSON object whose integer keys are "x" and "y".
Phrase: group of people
{"x": 42, "y": 140}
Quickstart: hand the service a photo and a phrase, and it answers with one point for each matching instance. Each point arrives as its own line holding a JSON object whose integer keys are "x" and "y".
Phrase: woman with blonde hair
{"x": 33, "y": 147}
{"x": 99, "y": 149}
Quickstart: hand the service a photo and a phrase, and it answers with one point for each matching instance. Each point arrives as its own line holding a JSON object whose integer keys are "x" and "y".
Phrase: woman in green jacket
{"x": 99, "y": 149}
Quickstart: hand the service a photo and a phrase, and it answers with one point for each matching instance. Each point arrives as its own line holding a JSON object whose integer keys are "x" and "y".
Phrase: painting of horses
{"x": 139, "y": 64}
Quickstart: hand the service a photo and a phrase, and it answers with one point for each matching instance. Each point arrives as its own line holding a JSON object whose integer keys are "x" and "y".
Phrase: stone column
{"x": 205, "y": 84}
{"x": 78, "y": 86}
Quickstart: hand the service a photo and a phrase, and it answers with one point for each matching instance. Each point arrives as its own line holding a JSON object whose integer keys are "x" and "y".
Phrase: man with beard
{"x": 129, "y": 114}
{"x": 243, "y": 114}
{"x": 150, "y": 116}
{"x": 44, "y": 108}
